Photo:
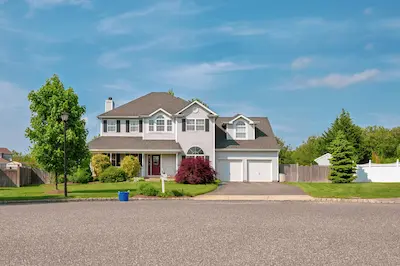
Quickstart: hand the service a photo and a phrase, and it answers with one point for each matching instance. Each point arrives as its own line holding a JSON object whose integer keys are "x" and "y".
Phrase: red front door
{"x": 155, "y": 166}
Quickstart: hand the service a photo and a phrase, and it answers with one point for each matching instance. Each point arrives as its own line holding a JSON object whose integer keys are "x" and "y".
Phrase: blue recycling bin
{"x": 123, "y": 195}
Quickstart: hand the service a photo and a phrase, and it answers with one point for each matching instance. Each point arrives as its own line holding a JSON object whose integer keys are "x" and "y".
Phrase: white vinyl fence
{"x": 372, "y": 172}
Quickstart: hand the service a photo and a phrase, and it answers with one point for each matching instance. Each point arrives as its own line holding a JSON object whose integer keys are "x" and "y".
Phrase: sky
{"x": 296, "y": 62}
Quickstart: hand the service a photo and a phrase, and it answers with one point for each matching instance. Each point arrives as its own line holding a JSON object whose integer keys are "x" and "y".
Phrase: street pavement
{"x": 200, "y": 233}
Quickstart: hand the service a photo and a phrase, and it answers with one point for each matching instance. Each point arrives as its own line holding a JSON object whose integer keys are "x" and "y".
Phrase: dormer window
{"x": 240, "y": 130}
{"x": 160, "y": 123}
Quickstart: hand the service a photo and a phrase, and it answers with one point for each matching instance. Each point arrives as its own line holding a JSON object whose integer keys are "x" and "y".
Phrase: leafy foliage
{"x": 286, "y": 152}
{"x": 27, "y": 159}
{"x": 171, "y": 92}
{"x": 147, "y": 189}
{"x": 46, "y": 131}
{"x": 195, "y": 171}
{"x": 112, "y": 174}
{"x": 81, "y": 176}
{"x": 382, "y": 144}
{"x": 131, "y": 166}
{"x": 100, "y": 162}
{"x": 342, "y": 161}
{"x": 308, "y": 151}
{"x": 352, "y": 133}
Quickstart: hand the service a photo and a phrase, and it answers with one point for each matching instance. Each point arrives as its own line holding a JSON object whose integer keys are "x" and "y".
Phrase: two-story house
{"x": 161, "y": 129}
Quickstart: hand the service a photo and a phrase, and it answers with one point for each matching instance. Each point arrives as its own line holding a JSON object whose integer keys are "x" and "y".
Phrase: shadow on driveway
{"x": 256, "y": 189}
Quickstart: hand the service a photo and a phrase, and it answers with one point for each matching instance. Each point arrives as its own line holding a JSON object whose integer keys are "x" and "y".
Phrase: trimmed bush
{"x": 195, "y": 171}
{"x": 131, "y": 166}
{"x": 177, "y": 193}
{"x": 137, "y": 179}
{"x": 80, "y": 176}
{"x": 112, "y": 174}
{"x": 167, "y": 194}
{"x": 147, "y": 189}
{"x": 100, "y": 163}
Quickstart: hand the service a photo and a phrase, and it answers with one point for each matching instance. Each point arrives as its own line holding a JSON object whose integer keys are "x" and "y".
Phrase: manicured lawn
{"x": 352, "y": 190}
{"x": 95, "y": 190}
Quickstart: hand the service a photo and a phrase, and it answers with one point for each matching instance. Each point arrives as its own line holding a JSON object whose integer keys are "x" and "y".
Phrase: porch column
{"x": 111, "y": 157}
{"x": 143, "y": 165}
{"x": 176, "y": 162}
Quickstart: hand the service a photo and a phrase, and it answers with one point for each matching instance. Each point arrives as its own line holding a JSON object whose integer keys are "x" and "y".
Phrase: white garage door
{"x": 230, "y": 170}
{"x": 259, "y": 171}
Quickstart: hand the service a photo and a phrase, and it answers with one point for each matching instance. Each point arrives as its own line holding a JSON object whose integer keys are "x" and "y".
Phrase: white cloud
{"x": 301, "y": 62}
{"x": 368, "y": 11}
{"x": 369, "y": 47}
{"x": 241, "y": 29}
{"x": 393, "y": 23}
{"x": 336, "y": 81}
{"x": 42, "y": 4}
{"x": 123, "y": 23}
{"x": 385, "y": 120}
{"x": 204, "y": 75}
{"x": 119, "y": 84}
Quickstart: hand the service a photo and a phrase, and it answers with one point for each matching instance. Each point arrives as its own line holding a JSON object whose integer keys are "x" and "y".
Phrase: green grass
{"x": 352, "y": 190}
{"x": 95, "y": 190}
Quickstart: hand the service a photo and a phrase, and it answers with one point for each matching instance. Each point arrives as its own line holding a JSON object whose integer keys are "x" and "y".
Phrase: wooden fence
{"x": 300, "y": 173}
{"x": 23, "y": 176}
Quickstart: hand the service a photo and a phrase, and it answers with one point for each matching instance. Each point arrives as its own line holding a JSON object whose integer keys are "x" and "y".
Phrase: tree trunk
{"x": 56, "y": 180}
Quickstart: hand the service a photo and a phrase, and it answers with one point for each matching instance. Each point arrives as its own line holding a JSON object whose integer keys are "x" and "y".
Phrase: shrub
{"x": 99, "y": 162}
{"x": 80, "y": 176}
{"x": 166, "y": 194}
{"x": 131, "y": 166}
{"x": 217, "y": 181}
{"x": 177, "y": 193}
{"x": 112, "y": 174}
{"x": 147, "y": 189}
{"x": 137, "y": 179}
{"x": 195, "y": 171}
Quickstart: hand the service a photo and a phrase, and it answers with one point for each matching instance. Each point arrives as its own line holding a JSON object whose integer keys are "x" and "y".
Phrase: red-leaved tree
{"x": 195, "y": 171}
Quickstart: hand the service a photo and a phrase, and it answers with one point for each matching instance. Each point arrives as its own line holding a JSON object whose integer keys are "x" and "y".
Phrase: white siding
{"x": 246, "y": 156}
{"x": 168, "y": 164}
{"x": 231, "y": 130}
{"x": 123, "y": 132}
{"x": 158, "y": 135}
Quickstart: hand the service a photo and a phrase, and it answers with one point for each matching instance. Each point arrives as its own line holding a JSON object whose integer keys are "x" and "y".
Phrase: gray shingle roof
{"x": 265, "y": 138}
{"x": 132, "y": 143}
{"x": 147, "y": 104}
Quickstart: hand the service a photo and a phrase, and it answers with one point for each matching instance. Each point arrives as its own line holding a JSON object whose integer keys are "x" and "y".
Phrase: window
{"x": 160, "y": 123}
{"x": 151, "y": 125}
{"x": 190, "y": 125}
{"x": 169, "y": 125}
{"x": 194, "y": 152}
{"x": 111, "y": 125}
{"x": 240, "y": 130}
{"x": 134, "y": 126}
{"x": 199, "y": 124}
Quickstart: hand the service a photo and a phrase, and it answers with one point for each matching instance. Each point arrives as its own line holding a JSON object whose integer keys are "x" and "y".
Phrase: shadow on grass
{"x": 100, "y": 191}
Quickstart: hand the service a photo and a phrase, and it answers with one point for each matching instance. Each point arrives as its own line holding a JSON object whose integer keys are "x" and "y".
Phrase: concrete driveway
{"x": 233, "y": 188}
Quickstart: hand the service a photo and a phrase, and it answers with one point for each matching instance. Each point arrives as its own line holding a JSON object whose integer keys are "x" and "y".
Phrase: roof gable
{"x": 200, "y": 104}
{"x": 238, "y": 116}
{"x": 147, "y": 104}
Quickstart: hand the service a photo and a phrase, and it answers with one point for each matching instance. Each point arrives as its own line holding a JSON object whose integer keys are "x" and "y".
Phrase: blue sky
{"x": 296, "y": 62}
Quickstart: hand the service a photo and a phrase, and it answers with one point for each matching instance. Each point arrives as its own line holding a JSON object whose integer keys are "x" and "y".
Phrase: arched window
{"x": 194, "y": 152}
{"x": 160, "y": 123}
{"x": 240, "y": 130}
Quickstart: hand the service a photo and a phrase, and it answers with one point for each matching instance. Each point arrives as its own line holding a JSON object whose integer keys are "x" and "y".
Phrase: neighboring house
{"x": 161, "y": 130}
{"x": 5, "y": 156}
{"x": 324, "y": 159}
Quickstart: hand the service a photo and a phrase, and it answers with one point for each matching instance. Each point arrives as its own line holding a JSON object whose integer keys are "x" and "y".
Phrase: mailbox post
{"x": 163, "y": 178}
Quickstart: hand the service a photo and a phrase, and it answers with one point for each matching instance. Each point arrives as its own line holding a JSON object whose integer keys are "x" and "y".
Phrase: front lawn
{"x": 95, "y": 190}
{"x": 351, "y": 190}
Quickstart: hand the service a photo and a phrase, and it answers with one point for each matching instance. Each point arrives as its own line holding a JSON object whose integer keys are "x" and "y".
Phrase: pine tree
{"x": 342, "y": 161}
{"x": 352, "y": 132}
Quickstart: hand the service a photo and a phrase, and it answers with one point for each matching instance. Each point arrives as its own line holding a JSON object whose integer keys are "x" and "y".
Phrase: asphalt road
{"x": 200, "y": 233}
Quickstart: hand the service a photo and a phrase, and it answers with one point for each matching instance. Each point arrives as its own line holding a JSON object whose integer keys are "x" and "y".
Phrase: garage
{"x": 259, "y": 171}
{"x": 230, "y": 170}
{"x": 247, "y": 166}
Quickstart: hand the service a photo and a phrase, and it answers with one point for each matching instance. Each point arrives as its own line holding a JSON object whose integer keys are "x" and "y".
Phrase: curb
{"x": 84, "y": 199}
{"x": 373, "y": 201}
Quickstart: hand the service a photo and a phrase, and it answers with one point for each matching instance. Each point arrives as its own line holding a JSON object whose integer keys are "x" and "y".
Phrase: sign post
{"x": 163, "y": 178}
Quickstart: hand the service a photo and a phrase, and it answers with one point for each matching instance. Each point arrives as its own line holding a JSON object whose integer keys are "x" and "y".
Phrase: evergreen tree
{"x": 342, "y": 161}
{"x": 352, "y": 132}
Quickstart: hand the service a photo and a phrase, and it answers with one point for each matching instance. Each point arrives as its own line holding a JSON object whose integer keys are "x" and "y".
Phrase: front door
{"x": 155, "y": 166}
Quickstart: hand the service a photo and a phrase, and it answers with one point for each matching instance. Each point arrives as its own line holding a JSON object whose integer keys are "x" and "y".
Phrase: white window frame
{"x": 242, "y": 125}
{"x": 112, "y": 125}
{"x": 169, "y": 125}
{"x": 134, "y": 126}
{"x": 193, "y": 123}
{"x": 202, "y": 126}
{"x": 151, "y": 125}
{"x": 160, "y": 123}
{"x": 198, "y": 152}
